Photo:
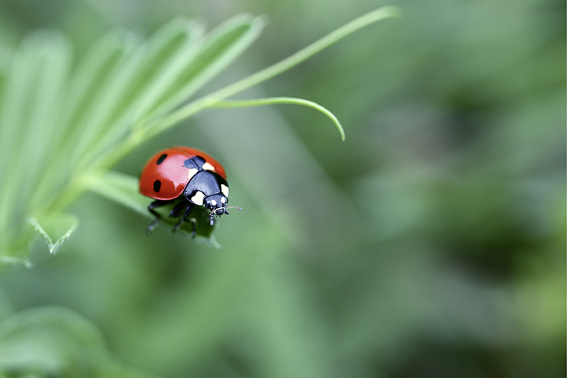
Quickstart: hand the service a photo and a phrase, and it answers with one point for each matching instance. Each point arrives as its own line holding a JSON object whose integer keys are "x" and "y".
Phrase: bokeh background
{"x": 430, "y": 244}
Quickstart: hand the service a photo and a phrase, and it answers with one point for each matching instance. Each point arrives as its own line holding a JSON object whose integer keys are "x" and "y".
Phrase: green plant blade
{"x": 54, "y": 68}
{"x": 171, "y": 65}
{"x": 87, "y": 88}
{"x": 220, "y": 48}
{"x": 61, "y": 224}
{"x": 92, "y": 81}
{"x": 155, "y": 63}
{"x": 283, "y": 100}
{"x": 120, "y": 188}
{"x": 4, "y": 67}
{"x": 50, "y": 341}
{"x": 29, "y": 118}
{"x": 14, "y": 107}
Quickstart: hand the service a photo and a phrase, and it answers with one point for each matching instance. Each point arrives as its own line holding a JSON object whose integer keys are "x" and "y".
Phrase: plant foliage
{"x": 63, "y": 126}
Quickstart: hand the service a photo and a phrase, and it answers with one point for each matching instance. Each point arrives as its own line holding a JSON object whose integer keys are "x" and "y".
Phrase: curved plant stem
{"x": 282, "y": 100}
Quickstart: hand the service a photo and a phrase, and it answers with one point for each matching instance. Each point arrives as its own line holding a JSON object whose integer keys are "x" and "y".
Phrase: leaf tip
{"x": 53, "y": 246}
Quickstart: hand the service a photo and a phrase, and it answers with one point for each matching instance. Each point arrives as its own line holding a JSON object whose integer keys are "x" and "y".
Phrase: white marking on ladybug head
{"x": 213, "y": 202}
{"x": 224, "y": 189}
{"x": 223, "y": 199}
{"x": 192, "y": 172}
{"x": 198, "y": 198}
{"x": 208, "y": 167}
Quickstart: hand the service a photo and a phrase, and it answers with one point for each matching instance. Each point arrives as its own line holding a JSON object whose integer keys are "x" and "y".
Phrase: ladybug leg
{"x": 153, "y": 205}
{"x": 188, "y": 210}
{"x": 177, "y": 209}
{"x": 192, "y": 220}
{"x": 156, "y": 221}
{"x": 177, "y": 225}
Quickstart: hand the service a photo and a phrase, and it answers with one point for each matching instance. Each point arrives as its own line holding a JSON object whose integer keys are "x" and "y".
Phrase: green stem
{"x": 282, "y": 100}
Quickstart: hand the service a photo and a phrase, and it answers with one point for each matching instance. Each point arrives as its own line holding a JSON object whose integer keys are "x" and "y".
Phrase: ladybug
{"x": 187, "y": 177}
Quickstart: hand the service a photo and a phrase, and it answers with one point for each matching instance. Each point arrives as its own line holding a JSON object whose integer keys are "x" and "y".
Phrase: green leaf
{"x": 4, "y": 66}
{"x": 54, "y": 341}
{"x": 50, "y": 341}
{"x": 216, "y": 52}
{"x": 87, "y": 88}
{"x": 111, "y": 105}
{"x": 6, "y": 307}
{"x": 169, "y": 61}
{"x": 123, "y": 189}
{"x": 54, "y": 58}
{"x": 154, "y": 63}
{"x": 29, "y": 112}
{"x": 61, "y": 224}
{"x": 90, "y": 94}
{"x": 120, "y": 188}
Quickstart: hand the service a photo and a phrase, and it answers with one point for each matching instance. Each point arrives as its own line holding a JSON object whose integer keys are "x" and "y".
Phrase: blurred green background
{"x": 430, "y": 244}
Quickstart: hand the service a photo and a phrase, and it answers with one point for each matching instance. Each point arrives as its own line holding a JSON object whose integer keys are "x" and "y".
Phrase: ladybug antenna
{"x": 232, "y": 207}
{"x": 220, "y": 211}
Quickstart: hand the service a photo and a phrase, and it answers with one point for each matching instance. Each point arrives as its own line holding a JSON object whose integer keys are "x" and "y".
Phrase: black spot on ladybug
{"x": 161, "y": 159}
{"x": 157, "y": 185}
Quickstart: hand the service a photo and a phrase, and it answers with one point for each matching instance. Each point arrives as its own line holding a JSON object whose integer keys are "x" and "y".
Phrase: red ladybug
{"x": 187, "y": 176}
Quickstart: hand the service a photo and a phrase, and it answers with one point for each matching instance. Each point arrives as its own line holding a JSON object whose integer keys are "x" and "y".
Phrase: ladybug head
{"x": 216, "y": 203}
